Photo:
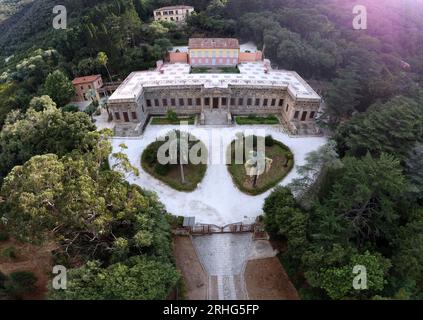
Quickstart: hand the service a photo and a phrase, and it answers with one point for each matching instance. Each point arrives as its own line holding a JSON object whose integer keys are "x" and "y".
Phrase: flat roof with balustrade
{"x": 178, "y": 74}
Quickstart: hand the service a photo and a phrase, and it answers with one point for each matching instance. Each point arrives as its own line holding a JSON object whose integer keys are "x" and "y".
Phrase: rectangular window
{"x": 148, "y": 101}
{"x": 249, "y": 102}
{"x": 265, "y": 102}
{"x": 240, "y": 101}
{"x": 297, "y": 113}
{"x": 189, "y": 101}
{"x": 312, "y": 114}
{"x": 164, "y": 102}
{"x": 232, "y": 101}
{"x": 173, "y": 102}
{"x": 117, "y": 116}
{"x": 287, "y": 108}
{"x": 304, "y": 116}
{"x": 280, "y": 102}
{"x": 273, "y": 102}
{"x": 181, "y": 102}
{"x": 224, "y": 101}
{"x": 156, "y": 103}
{"x": 257, "y": 102}
{"x": 207, "y": 101}
{"x": 134, "y": 116}
{"x": 198, "y": 102}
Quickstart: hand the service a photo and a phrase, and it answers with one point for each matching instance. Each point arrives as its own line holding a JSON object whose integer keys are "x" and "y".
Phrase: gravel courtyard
{"x": 216, "y": 200}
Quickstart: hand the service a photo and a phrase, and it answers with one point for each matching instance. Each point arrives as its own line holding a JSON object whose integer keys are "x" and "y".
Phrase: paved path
{"x": 224, "y": 257}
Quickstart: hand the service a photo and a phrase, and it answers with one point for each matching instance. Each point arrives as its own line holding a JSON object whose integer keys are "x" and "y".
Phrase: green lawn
{"x": 252, "y": 119}
{"x": 165, "y": 120}
{"x": 268, "y": 180}
{"x": 193, "y": 173}
{"x": 215, "y": 70}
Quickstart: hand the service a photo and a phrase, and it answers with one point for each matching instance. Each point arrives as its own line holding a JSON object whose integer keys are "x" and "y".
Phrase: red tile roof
{"x": 213, "y": 43}
{"x": 87, "y": 79}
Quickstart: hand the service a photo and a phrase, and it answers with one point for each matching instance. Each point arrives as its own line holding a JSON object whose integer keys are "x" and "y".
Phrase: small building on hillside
{"x": 177, "y": 14}
{"x": 87, "y": 88}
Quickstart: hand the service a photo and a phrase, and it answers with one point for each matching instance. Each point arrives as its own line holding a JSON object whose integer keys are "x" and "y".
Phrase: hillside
{"x": 10, "y": 7}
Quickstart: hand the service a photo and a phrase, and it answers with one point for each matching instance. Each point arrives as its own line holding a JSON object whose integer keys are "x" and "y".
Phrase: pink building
{"x": 213, "y": 52}
{"x": 87, "y": 87}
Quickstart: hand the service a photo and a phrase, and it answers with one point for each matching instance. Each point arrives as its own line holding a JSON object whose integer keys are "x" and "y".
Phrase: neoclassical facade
{"x": 256, "y": 89}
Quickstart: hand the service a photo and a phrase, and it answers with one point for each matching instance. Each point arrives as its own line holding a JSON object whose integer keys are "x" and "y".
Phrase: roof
{"x": 213, "y": 43}
{"x": 174, "y": 8}
{"x": 87, "y": 79}
{"x": 178, "y": 74}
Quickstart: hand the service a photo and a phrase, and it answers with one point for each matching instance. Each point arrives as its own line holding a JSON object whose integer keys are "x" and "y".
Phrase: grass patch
{"x": 253, "y": 119}
{"x": 283, "y": 163}
{"x": 215, "y": 70}
{"x": 166, "y": 120}
{"x": 170, "y": 174}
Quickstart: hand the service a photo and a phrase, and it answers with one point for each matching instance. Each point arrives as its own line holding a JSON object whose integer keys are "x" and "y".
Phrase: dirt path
{"x": 196, "y": 279}
{"x": 267, "y": 280}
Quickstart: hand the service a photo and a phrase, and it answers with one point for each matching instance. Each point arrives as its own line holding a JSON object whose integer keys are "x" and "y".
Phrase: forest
{"x": 359, "y": 199}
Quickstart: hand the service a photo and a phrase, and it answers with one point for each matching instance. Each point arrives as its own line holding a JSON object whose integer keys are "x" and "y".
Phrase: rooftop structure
{"x": 251, "y": 74}
{"x": 85, "y": 80}
{"x": 213, "y": 43}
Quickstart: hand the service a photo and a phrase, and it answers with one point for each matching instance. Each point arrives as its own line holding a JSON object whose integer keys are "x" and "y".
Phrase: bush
{"x": 268, "y": 141}
{"x": 70, "y": 108}
{"x": 252, "y": 116}
{"x": 161, "y": 169}
{"x": 20, "y": 283}
{"x": 172, "y": 116}
{"x": 4, "y": 236}
{"x": 9, "y": 252}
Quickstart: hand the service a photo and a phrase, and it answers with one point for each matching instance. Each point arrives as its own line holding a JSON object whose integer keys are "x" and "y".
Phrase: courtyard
{"x": 216, "y": 200}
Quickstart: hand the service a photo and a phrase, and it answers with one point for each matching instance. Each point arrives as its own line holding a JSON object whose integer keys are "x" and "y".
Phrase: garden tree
{"x": 338, "y": 282}
{"x": 40, "y": 132}
{"x": 91, "y": 211}
{"x": 284, "y": 218}
{"x": 392, "y": 127}
{"x": 314, "y": 172}
{"x": 161, "y": 47}
{"x": 342, "y": 98}
{"x": 138, "y": 278}
{"x": 414, "y": 169}
{"x": 408, "y": 246}
{"x": 59, "y": 88}
{"x": 102, "y": 59}
{"x": 41, "y": 103}
{"x": 362, "y": 203}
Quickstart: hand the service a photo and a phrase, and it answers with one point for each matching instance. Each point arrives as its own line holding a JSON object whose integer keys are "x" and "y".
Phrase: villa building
{"x": 255, "y": 88}
{"x": 87, "y": 88}
{"x": 177, "y": 14}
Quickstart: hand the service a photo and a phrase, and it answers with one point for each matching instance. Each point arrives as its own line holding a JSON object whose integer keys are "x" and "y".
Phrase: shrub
{"x": 4, "y": 236}
{"x": 268, "y": 141}
{"x": 9, "y": 252}
{"x": 172, "y": 116}
{"x": 161, "y": 169}
{"x": 20, "y": 283}
{"x": 70, "y": 108}
{"x": 252, "y": 116}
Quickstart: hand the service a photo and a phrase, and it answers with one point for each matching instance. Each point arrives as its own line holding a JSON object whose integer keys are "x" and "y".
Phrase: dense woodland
{"x": 359, "y": 199}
